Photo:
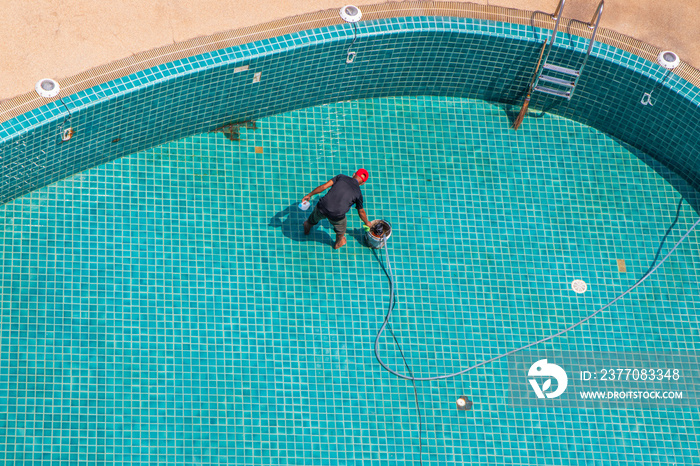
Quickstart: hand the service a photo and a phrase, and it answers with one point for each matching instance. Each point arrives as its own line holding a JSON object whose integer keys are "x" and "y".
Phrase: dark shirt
{"x": 343, "y": 194}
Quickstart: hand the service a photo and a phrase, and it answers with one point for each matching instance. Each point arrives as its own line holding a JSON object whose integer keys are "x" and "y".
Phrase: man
{"x": 344, "y": 192}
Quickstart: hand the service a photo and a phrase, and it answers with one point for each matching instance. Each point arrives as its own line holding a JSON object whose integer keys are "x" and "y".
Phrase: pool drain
{"x": 464, "y": 403}
{"x": 579, "y": 286}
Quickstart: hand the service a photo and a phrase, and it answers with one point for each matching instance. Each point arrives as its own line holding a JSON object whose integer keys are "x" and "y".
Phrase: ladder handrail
{"x": 596, "y": 16}
{"x": 595, "y": 21}
{"x": 556, "y": 16}
{"x": 557, "y": 12}
{"x": 598, "y": 13}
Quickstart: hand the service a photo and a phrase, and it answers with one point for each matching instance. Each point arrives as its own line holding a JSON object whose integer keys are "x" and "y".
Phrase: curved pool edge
{"x": 141, "y": 61}
{"x": 144, "y": 96}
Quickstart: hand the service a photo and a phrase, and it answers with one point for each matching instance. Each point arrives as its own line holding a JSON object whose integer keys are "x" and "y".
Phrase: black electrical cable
{"x": 354, "y": 33}
{"x": 70, "y": 115}
{"x": 392, "y": 293}
{"x": 668, "y": 232}
{"x": 66, "y": 120}
{"x": 415, "y": 392}
{"x": 660, "y": 83}
{"x": 649, "y": 272}
{"x": 413, "y": 379}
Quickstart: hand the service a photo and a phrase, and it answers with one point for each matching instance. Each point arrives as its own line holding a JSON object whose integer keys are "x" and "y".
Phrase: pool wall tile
{"x": 411, "y": 56}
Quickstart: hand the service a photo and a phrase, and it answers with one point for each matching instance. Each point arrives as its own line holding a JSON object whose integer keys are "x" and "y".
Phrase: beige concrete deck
{"x": 61, "y": 38}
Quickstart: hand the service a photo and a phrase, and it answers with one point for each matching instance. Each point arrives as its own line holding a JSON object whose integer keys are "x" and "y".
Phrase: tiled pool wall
{"x": 454, "y": 57}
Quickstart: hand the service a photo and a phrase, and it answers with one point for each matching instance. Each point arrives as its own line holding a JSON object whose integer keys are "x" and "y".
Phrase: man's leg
{"x": 340, "y": 227}
{"x": 315, "y": 217}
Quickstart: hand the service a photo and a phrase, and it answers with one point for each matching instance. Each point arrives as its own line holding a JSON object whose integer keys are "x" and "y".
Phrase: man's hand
{"x": 318, "y": 190}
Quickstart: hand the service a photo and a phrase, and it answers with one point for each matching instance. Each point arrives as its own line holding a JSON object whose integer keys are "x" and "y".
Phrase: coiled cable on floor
{"x": 411, "y": 377}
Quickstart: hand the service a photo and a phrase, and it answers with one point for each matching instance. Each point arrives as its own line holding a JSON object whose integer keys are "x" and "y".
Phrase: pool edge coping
{"x": 29, "y": 101}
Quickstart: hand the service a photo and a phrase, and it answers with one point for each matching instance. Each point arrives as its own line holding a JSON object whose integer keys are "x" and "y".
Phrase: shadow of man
{"x": 291, "y": 221}
{"x": 359, "y": 235}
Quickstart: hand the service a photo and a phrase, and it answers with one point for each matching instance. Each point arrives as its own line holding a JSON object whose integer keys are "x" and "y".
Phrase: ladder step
{"x": 561, "y": 69}
{"x": 561, "y": 82}
{"x": 549, "y": 90}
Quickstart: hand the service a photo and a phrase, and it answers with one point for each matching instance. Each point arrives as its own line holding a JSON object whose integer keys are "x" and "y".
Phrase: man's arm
{"x": 363, "y": 215}
{"x": 318, "y": 189}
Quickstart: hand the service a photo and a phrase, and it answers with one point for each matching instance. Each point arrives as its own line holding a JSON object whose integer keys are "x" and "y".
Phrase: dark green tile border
{"x": 440, "y": 54}
{"x": 144, "y": 60}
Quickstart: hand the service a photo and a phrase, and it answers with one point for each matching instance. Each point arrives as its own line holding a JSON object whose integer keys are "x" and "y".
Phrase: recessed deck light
{"x": 350, "y": 13}
{"x": 668, "y": 59}
{"x": 47, "y": 88}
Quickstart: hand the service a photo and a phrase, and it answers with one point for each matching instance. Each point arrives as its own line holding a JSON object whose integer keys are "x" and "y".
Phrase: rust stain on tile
{"x": 258, "y": 150}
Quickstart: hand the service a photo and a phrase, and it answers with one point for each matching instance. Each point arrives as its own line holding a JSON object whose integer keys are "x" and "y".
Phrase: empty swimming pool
{"x": 160, "y": 303}
{"x": 167, "y": 308}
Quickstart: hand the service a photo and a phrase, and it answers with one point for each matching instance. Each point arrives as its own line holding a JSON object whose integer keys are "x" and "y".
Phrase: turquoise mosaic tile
{"x": 166, "y": 308}
{"x": 400, "y": 56}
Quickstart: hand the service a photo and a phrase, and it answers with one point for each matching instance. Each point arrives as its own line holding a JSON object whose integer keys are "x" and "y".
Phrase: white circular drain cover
{"x": 579, "y": 286}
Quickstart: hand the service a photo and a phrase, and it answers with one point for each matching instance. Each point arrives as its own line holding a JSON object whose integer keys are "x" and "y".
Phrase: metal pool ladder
{"x": 561, "y": 81}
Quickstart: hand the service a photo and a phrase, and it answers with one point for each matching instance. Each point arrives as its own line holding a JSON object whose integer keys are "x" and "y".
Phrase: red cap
{"x": 362, "y": 173}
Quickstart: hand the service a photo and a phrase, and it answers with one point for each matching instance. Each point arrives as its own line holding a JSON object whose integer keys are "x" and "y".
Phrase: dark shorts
{"x": 339, "y": 226}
